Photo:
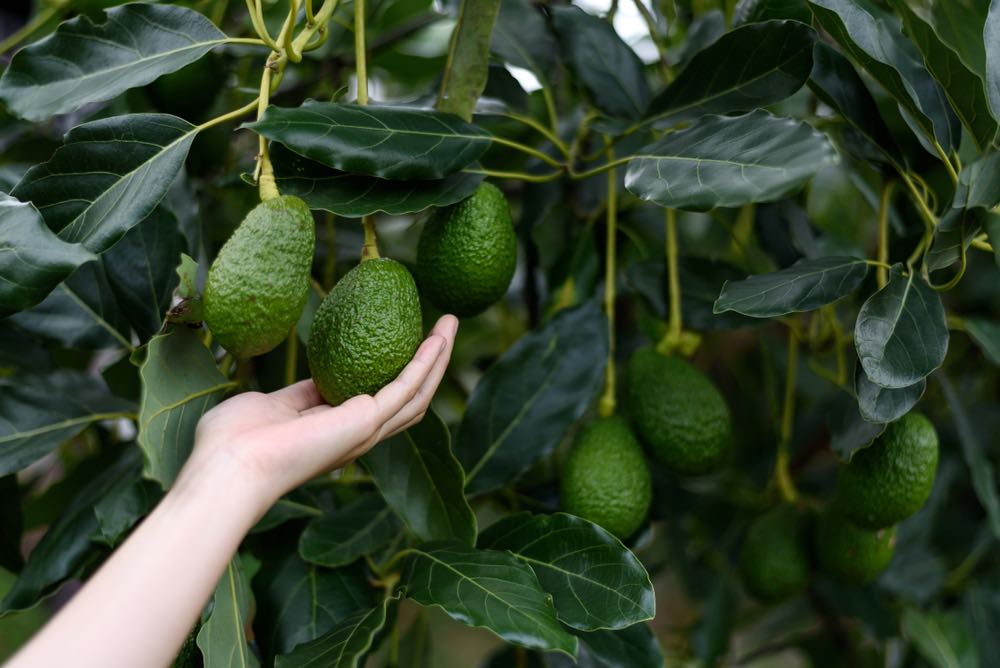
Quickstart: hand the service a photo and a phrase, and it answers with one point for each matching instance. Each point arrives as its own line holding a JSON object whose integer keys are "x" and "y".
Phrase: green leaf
{"x": 923, "y": 631}
{"x": 129, "y": 500}
{"x": 388, "y": 142}
{"x": 284, "y": 510}
{"x": 986, "y": 334}
{"x": 963, "y": 87}
{"x": 343, "y": 647}
{"x": 992, "y": 226}
{"x": 82, "y": 63}
{"x": 354, "y": 195}
{"x": 107, "y": 177}
{"x": 526, "y": 401}
{"x": 421, "y": 480}
{"x": 180, "y": 382}
{"x": 487, "y": 589}
{"x": 728, "y": 161}
{"x": 522, "y": 39}
{"x": 752, "y": 11}
{"x": 39, "y": 412}
{"x": 298, "y": 602}
{"x": 752, "y": 66}
{"x": 881, "y": 404}
{"x": 595, "y": 581}
{"x": 901, "y": 335}
{"x": 849, "y": 432}
{"x": 221, "y": 639}
{"x": 991, "y": 37}
{"x": 982, "y": 614}
{"x": 955, "y": 230}
{"x": 464, "y": 76}
{"x": 805, "y": 286}
{"x": 34, "y": 260}
{"x": 633, "y": 647}
{"x": 344, "y": 535}
{"x": 607, "y": 69}
{"x": 877, "y": 44}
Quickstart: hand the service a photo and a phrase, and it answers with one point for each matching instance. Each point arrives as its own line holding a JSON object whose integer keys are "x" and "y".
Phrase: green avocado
{"x": 258, "y": 285}
{"x": 774, "y": 559}
{"x": 468, "y": 252}
{"x": 678, "y": 413}
{"x": 891, "y": 479}
{"x": 365, "y": 331}
{"x": 606, "y": 479}
{"x": 850, "y": 554}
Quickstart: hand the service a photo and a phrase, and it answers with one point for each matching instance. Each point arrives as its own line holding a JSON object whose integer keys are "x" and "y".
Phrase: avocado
{"x": 774, "y": 559}
{"x": 258, "y": 285}
{"x": 365, "y": 331}
{"x": 468, "y": 252}
{"x": 849, "y": 553}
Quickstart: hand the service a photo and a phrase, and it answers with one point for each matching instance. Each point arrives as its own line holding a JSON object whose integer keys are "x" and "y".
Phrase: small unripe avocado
{"x": 891, "y": 479}
{"x": 606, "y": 479}
{"x": 468, "y": 252}
{"x": 774, "y": 559}
{"x": 850, "y": 554}
{"x": 365, "y": 331}
{"x": 258, "y": 285}
{"x": 678, "y": 413}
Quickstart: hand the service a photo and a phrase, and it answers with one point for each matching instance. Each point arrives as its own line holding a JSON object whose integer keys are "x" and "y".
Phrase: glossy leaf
{"x": 881, "y": 404}
{"x": 607, "y": 68}
{"x": 107, "y": 177}
{"x": 633, "y": 647}
{"x": 344, "y": 535}
{"x": 991, "y": 37}
{"x": 354, "y": 196}
{"x": 728, "y": 161}
{"x": 284, "y": 510}
{"x": 34, "y": 260}
{"x": 423, "y": 482}
{"x": 521, "y": 38}
{"x": 979, "y": 182}
{"x": 849, "y": 432}
{"x": 751, "y": 11}
{"x": 805, "y": 286}
{"x": 180, "y": 382}
{"x": 595, "y": 581}
{"x": 986, "y": 334}
{"x": 901, "y": 335}
{"x": 388, "y": 142}
{"x": 524, "y": 404}
{"x": 752, "y": 66}
{"x": 879, "y": 47}
{"x": 129, "y": 500}
{"x": 464, "y": 77}
{"x": 487, "y": 589}
{"x": 221, "y": 638}
{"x": 343, "y": 647}
{"x": 81, "y": 62}
{"x": 955, "y": 230}
{"x": 39, "y": 412}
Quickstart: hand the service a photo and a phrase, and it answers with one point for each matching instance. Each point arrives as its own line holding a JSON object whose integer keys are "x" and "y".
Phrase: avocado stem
{"x": 606, "y": 405}
{"x": 370, "y": 250}
{"x": 782, "y": 476}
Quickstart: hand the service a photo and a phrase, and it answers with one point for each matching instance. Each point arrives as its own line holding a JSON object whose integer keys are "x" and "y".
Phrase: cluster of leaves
{"x": 888, "y": 111}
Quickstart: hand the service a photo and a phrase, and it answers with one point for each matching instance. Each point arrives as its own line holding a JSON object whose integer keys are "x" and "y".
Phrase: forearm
{"x": 138, "y": 608}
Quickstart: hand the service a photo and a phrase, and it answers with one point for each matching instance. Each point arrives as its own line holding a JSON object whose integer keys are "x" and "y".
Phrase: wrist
{"x": 221, "y": 483}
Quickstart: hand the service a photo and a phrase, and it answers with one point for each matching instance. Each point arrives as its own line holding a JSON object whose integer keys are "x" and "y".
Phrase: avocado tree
{"x": 728, "y": 274}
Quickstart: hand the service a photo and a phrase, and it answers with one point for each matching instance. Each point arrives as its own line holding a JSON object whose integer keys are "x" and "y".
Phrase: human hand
{"x": 275, "y": 442}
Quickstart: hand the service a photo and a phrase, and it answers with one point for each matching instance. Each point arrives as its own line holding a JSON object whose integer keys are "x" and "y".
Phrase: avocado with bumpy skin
{"x": 468, "y": 252}
{"x": 774, "y": 559}
{"x": 258, "y": 285}
{"x": 365, "y": 331}
{"x": 849, "y": 553}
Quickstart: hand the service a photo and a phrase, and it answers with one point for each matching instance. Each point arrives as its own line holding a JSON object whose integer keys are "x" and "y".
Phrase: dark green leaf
{"x": 718, "y": 620}
{"x": 926, "y": 635}
{"x": 464, "y": 77}
{"x": 595, "y": 581}
{"x": 849, "y": 432}
{"x": 751, "y": 11}
{"x": 521, "y": 38}
{"x": 901, "y": 335}
{"x": 991, "y": 37}
{"x": 979, "y": 183}
{"x": 388, "y": 142}
{"x": 82, "y": 62}
{"x": 354, "y": 196}
{"x": 881, "y": 404}
{"x": 986, "y": 334}
{"x": 344, "y": 535}
{"x": 129, "y": 500}
{"x": 524, "y": 404}
{"x": 960, "y": 25}
{"x": 877, "y": 44}
{"x": 729, "y": 161}
{"x": 702, "y": 32}
{"x": 343, "y": 647}
{"x": 284, "y": 510}
{"x": 752, "y": 66}
{"x": 34, "y": 260}
{"x": 180, "y": 382}
{"x": 487, "y": 589}
{"x": 805, "y": 286}
{"x": 955, "y": 231}
{"x": 422, "y": 481}
{"x": 107, "y": 177}
{"x": 634, "y": 647}
{"x": 982, "y": 613}
{"x": 606, "y": 68}
{"x": 39, "y": 412}
{"x": 221, "y": 638}
{"x": 298, "y": 602}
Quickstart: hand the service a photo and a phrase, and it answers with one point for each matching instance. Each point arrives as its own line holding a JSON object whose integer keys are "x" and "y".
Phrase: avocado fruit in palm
{"x": 849, "y": 553}
{"x": 678, "y": 413}
{"x": 891, "y": 479}
{"x": 606, "y": 479}
{"x": 774, "y": 558}
{"x": 468, "y": 252}
{"x": 258, "y": 285}
{"x": 365, "y": 331}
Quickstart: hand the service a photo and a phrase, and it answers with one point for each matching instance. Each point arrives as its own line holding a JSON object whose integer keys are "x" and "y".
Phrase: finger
{"x": 395, "y": 395}
{"x": 336, "y": 428}
{"x": 300, "y": 396}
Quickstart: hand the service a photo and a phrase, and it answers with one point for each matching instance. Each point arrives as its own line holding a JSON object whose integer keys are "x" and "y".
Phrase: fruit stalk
{"x": 782, "y": 477}
{"x": 882, "y": 271}
{"x": 606, "y": 406}
{"x": 370, "y": 250}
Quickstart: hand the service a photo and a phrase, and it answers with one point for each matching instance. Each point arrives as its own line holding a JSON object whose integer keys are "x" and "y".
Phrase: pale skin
{"x": 249, "y": 450}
